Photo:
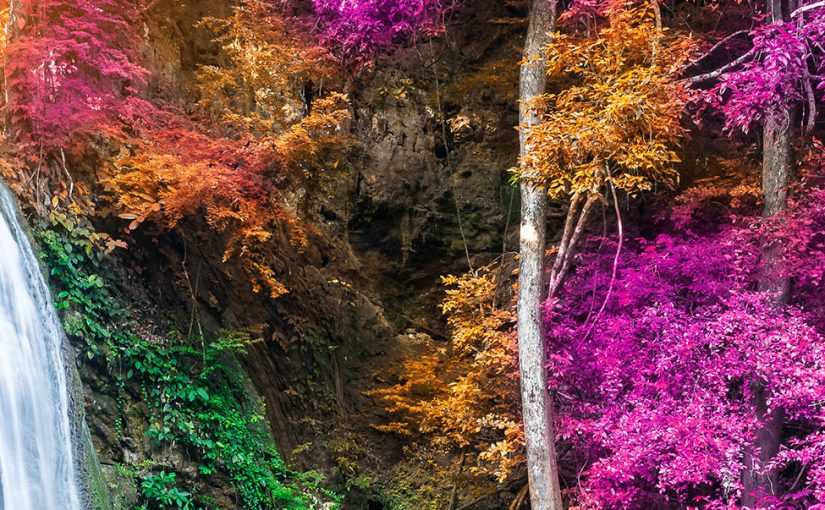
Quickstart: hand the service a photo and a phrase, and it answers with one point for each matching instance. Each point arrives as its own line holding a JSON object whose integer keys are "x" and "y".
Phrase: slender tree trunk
{"x": 545, "y": 493}
{"x": 777, "y": 173}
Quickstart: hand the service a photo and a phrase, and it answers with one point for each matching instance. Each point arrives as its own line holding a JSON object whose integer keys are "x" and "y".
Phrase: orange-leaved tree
{"x": 464, "y": 397}
{"x": 268, "y": 72}
{"x": 178, "y": 169}
{"x": 611, "y": 118}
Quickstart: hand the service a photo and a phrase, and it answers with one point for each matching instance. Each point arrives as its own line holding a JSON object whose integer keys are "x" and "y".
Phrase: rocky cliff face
{"x": 426, "y": 186}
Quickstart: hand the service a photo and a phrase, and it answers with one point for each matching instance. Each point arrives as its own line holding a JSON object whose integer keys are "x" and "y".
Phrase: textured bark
{"x": 545, "y": 493}
{"x": 777, "y": 171}
{"x": 759, "y": 484}
{"x": 777, "y": 161}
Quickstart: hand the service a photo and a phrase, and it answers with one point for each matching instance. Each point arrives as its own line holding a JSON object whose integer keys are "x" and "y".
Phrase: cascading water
{"x": 37, "y": 454}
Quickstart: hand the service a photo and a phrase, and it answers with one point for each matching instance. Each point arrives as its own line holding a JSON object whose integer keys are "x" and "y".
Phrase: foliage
{"x": 656, "y": 392}
{"x": 69, "y": 67}
{"x": 266, "y": 137}
{"x": 73, "y": 252}
{"x": 360, "y": 30}
{"x": 196, "y": 397}
{"x": 237, "y": 166}
{"x": 268, "y": 68}
{"x": 613, "y": 113}
{"x": 465, "y": 397}
{"x": 783, "y": 59}
{"x": 195, "y": 400}
{"x": 179, "y": 170}
{"x": 159, "y": 491}
{"x": 496, "y": 80}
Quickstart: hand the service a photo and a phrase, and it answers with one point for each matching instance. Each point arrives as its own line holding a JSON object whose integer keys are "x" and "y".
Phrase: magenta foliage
{"x": 360, "y": 30}
{"x": 71, "y": 65}
{"x": 782, "y": 56}
{"x": 655, "y": 393}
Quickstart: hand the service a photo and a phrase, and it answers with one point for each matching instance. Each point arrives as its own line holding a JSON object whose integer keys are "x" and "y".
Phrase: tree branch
{"x": 806, "y": 8}
{"x": 620, "y": 227}
{"x": 557, "y": 277}
{"x": 722, "y": 70}
{"x": 718, "y": 45}
{"x": 568, "y": 231}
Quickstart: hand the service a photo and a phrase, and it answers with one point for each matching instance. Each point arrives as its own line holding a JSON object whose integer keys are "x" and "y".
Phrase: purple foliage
{"x": 359, "y": 30}
{"x": 782, "y": 56}
{"x": 655, "y": 394}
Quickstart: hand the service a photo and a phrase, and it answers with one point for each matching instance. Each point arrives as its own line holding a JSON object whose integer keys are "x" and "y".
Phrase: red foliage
{"x": 69, "y": 67}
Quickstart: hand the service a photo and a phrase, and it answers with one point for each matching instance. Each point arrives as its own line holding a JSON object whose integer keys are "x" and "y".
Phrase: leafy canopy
{"x": 613, "y": 109}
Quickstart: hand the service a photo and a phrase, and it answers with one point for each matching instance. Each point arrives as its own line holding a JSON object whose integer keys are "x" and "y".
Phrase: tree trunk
{"x": 777, "y": 172}
{"x": 545, "y": 493}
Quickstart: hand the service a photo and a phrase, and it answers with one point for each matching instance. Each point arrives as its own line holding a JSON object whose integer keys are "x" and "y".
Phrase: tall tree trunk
{"x": 545, "y": 493}
{"x": 777, "y": 172}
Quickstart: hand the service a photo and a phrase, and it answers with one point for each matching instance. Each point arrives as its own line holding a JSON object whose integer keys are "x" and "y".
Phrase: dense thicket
{"x": 669, "y": 360}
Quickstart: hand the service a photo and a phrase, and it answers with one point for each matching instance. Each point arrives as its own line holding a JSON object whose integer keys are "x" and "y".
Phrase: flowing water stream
{"x": 37, "y": 455}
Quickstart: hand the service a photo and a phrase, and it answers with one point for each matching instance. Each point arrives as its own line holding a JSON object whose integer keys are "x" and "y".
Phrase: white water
{"x": 37, "y": 459}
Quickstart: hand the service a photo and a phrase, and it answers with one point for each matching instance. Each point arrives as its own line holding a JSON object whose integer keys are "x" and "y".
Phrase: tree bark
{"x": 777, "y": 172}
{"x": 545, "y": 492}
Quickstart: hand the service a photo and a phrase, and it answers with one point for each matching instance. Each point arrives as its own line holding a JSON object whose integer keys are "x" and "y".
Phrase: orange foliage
{"x": 268, "y": 63}
{"x": 178, "y": 170}
{"x": 466, "y": 396}
{"x": 265, "y": 137}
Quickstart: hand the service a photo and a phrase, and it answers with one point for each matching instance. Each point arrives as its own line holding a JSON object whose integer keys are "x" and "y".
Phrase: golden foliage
{"x": 465, "y": 396}
{"x": 268, "y": 63}
{"x": 613, "y": 111}
{"x": 178, "y": 170}
{"x": 267, "y": 135}
{"x": 497, "y": 79}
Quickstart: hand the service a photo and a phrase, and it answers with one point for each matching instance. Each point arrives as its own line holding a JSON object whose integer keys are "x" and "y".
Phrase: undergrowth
{"x": 194, "y": 388}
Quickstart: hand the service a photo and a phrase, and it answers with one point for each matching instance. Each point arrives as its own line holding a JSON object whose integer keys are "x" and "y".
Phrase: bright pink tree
{"x": 777, "y": 71}
{"x": 656, "y": 389}
{"x": 69, "y": 66}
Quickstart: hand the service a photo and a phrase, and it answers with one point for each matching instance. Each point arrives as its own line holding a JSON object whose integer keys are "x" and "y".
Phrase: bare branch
{"x": 722, "y": 70}
{"x": 568, "y": 231}
{"x": 556, "y": 278}
{"x": 718, "y": 45}
{"x": 620, "y": 227}
{"x": 811, "y": 100}
{"x": 806, "y": 8}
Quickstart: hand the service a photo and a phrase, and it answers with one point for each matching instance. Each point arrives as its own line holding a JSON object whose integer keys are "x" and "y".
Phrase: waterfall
{"x": 37, "y": 454}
